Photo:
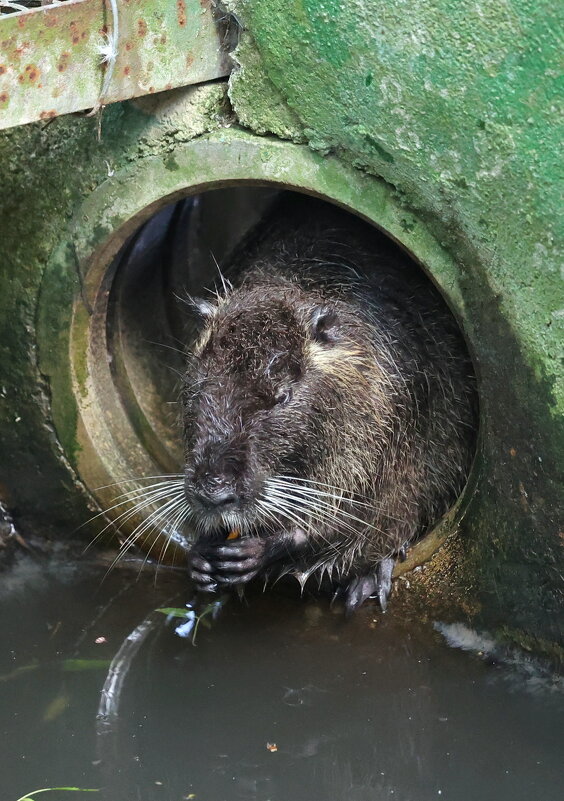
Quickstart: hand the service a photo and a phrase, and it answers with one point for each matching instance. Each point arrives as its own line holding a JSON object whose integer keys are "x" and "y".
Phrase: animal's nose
{"x": 216, "y": 498}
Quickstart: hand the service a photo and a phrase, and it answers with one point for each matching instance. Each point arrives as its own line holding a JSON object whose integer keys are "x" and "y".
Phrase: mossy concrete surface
{"x": 453, "y": 105}
{"x": 458, "y": 105}
{"x": 46, "y": 173}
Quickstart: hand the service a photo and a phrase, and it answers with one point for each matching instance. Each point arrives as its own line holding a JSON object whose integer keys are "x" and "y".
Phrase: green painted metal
{"x": 52, "y": 58}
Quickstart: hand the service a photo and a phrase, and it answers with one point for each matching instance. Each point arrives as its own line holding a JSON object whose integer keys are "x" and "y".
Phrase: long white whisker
{"x": 321, "y": 506}
{"x": 343, "y": 495}
{"x": 131, "y": 511}
{"x": 143, "y": 491}
{"x": 291, "y": 514}
{"x": 285, "y": 512}
{"x": 320, "y": 493}
{"x": 314, "y": 482}
{"x": 296, "y": 489}
{"x": 140, "y": 530}
{"x": 151, "y": 520}
{"x": 175, "y": 524}
{"x": 321, "y": 514}
{"x": 270, "y": 514}
{"x": 346, "y": 493}
{"x": 166, "y": 521}
{"x": 140, "y": 478}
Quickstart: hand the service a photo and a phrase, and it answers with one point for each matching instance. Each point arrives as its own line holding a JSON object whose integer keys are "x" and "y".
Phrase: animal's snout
{"x": 216, "y": 496}
{"x": 212, "y": 488}
{"x": 215, "y": 475}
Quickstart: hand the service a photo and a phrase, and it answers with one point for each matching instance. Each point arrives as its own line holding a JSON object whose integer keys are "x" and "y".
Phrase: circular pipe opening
{"x": 137, "y": 338}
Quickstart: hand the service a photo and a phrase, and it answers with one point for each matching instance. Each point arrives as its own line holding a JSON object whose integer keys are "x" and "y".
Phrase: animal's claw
{"x": 377, "y": 584}
{"x": 359, "y": 589}
{"x": 402, "y": 553}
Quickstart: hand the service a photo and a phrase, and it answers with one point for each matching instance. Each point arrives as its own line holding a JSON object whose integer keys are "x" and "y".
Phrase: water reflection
{"x": 280, "y": 699}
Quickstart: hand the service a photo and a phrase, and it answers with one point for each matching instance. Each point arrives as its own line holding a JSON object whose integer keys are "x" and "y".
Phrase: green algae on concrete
{"x": 46, "y": 173}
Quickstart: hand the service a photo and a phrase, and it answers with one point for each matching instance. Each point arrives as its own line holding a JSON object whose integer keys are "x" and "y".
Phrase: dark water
{"x": 280, "y": 700}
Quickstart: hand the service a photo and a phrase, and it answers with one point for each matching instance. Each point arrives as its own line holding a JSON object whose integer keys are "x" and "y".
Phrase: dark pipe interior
{"x": 176, "y": 253}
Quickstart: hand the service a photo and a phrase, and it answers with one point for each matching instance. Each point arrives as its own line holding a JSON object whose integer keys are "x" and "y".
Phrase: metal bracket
{"x": 54, "y": 59}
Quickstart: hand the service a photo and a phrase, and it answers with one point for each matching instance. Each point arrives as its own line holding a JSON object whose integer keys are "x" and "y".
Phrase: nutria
{"x": 329, "y": 407}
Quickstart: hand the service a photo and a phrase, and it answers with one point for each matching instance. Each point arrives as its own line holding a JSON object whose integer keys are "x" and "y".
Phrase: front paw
{"x": 200, "y": 568}
{"x": 227, "y": 563}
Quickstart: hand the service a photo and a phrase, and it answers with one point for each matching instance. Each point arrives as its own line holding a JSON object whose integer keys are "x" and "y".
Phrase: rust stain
{"x": 181, "y": 12}
{"x": 128, "y": 46}
{"x": 189, "y": 59}
{"x": 168, "y": 86}
{"x": 4, "y": 98}
{"x": 2, "y": 69}
{"x": 75, "y": 33}
{"x": 22, "y": 22}
{"x": 30, "y": 73}
{"x": 141, "y": 27}
{"x": 63, "y": 62}
{"x": 47, "y": 115}
{"x": 126, "y": 70}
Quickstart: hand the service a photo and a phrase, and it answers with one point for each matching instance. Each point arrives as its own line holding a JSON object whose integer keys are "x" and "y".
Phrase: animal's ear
{"x": 324, "y": 324}
{"x": 204, "y": 308}
{"x": 201, "y": 308}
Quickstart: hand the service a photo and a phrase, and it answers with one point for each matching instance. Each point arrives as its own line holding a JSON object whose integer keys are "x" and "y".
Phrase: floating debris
{"x": 192, "y": 618}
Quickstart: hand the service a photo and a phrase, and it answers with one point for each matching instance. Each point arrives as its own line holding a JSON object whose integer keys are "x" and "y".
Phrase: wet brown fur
{"x": 383, "y": 403}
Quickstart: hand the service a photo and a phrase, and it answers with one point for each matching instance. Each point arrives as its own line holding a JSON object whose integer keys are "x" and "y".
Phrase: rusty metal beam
{"x": 51, "y": 58}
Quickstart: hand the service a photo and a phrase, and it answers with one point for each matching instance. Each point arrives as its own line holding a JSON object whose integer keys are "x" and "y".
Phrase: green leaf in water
{"x": 174, "y": 611}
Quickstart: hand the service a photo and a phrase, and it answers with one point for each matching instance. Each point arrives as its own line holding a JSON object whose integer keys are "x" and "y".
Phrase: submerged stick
{"x": 108, "y": 709}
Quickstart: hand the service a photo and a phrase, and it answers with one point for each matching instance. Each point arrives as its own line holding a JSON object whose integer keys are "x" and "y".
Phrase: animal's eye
{"x": 283, "y": 397}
